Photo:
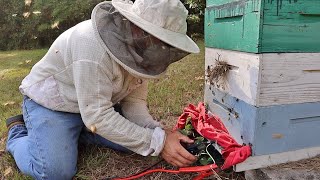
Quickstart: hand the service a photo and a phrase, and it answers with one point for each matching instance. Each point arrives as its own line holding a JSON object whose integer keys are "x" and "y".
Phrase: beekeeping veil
{"x": 144, "y": 37}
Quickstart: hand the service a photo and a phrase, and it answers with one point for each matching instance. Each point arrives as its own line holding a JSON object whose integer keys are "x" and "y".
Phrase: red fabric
{"x": 213, "y": 129}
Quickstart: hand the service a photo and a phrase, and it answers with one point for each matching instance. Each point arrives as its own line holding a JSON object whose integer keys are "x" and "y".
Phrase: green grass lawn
{"x": 183, "y": 84}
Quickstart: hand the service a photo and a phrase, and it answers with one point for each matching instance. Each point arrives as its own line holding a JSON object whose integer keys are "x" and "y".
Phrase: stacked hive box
{"x": 270, "y": 97}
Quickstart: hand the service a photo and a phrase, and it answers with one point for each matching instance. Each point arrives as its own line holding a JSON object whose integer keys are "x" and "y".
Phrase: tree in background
{"x": 59, "y": 15}
{"x": 12, "y": 21}
{"x": 37, "y": 23}
{"x": 196, "y": 17}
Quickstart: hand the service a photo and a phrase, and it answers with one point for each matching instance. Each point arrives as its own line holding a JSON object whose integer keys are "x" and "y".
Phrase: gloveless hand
{"x": 174, "y": 153}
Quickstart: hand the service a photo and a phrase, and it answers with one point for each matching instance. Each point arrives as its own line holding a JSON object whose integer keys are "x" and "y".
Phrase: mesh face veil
{"x": 134, "y": 49}
{"x": 152, "y": 50}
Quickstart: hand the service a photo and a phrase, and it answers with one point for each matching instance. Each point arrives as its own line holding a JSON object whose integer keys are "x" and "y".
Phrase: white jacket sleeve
{"x": 94, "y": 92}
{"x": 134, "y": 107}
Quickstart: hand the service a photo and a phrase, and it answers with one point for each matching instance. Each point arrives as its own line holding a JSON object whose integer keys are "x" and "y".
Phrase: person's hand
{"x": 174, "y": 153}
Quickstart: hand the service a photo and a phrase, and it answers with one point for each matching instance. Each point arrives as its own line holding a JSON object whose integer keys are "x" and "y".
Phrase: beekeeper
{"x": 88, "y": 71}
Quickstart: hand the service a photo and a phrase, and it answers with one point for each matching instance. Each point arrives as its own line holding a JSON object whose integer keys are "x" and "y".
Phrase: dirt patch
{"x": 312, "y": 164}
{"x": 6, "y": 55}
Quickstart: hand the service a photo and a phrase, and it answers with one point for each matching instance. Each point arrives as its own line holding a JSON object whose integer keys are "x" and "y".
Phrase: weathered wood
{"x": 291, "y": 26}
{"x": 289, "y": 78}
{"x": 233, "y": 25}
{"x": 269, "y": 79}
{"x": 243, "y": 79}
{"x": 241, "y": 127}
{"x": 256, "y": 162}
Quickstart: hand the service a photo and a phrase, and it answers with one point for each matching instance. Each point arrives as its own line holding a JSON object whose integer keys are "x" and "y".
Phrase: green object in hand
{"x": 205, "y": 159}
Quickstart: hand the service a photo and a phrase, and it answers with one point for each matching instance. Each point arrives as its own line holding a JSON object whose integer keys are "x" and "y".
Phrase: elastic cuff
{"x": 157, "y": 141}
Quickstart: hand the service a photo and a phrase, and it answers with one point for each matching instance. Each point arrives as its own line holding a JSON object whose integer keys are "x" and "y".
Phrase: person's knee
{"x": 62, "y": 170}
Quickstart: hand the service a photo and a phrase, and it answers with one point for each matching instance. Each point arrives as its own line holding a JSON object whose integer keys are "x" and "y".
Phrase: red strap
{"x": 198, "y": 168}
{"x": 148, "y": 172}
{"x": 202, "y": 169}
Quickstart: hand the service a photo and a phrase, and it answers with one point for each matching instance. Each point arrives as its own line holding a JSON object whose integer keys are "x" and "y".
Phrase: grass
{"x": 183, "y": 84}
{"x": 14, "y": 66}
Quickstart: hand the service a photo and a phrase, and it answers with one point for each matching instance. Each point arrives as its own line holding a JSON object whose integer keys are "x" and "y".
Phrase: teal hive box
{"x": 262, "y": 26}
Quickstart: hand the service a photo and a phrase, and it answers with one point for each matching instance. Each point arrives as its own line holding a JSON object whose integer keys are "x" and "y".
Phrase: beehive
{"x": 270, "y": 95}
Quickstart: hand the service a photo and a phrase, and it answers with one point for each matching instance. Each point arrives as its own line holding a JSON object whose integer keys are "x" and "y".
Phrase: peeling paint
{"x": 232, "y": 9}
{"x": 279, "y": 3}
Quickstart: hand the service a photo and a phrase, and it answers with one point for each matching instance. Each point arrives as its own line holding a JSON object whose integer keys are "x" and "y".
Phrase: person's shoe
{"x": 15, "y": 120}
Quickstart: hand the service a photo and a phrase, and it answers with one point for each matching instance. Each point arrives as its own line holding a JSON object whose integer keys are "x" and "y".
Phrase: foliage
{"x": 36, "y": 23}
{"x": 11, "y": 23}
{"x": 196, "y": 16}
{"x": 33, "y": 24}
